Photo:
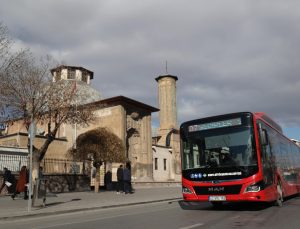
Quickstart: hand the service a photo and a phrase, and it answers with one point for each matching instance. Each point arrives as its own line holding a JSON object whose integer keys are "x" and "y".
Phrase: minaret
{"x": 167, "y": 105}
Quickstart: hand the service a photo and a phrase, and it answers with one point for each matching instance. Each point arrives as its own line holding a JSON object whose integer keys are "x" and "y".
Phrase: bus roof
{"x": 215, "y": 117}
{"x": 259, "y": 115}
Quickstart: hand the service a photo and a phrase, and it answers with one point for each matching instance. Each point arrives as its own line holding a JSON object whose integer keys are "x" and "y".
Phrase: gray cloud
{"x": 234, "y": 55}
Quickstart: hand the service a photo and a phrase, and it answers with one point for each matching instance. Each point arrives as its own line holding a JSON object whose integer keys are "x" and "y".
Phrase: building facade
{"x": 129, "y": 119}
{"x": 152, "y": 159}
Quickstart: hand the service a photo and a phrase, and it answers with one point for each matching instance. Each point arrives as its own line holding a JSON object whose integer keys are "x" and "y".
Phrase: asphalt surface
{"x": 171, "y": 214}
{"x": 81, "y": 201}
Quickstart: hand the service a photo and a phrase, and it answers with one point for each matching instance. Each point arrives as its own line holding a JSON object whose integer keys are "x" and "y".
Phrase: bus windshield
{"x": 218, "y": 148}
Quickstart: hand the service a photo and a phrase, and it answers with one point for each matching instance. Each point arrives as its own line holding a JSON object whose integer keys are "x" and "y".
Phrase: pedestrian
{"x": 9, "y": 181}
{"x": 5, "y": 174}
{"x": 108, "y": 180}
{"x": 120, "y": 183}
{"x": 127, "y": 180}
{"x": 22, "y": 183}
{"x": 41, "y": 174}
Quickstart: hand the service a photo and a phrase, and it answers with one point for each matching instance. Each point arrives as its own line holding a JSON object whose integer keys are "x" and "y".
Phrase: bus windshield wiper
{"x": 242, "y": 168}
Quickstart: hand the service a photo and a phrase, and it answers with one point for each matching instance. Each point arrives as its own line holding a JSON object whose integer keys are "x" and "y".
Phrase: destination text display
{"x": 215, "y": 125}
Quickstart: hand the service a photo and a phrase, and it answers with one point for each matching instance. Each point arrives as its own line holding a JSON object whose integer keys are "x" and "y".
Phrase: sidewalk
{"x": 79, "y": 201}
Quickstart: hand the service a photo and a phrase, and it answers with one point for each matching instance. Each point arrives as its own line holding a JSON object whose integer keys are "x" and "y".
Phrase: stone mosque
{"x": 153, "y": 158}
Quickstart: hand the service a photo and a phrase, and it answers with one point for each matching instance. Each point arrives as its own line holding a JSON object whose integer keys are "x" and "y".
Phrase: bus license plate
{"x": 217, "y": 198}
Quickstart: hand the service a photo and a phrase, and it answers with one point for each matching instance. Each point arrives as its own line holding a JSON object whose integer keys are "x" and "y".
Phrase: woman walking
{"x": 21, "y": 184}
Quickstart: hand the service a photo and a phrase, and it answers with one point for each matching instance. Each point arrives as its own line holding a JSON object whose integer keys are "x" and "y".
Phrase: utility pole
{"x": 32, "y": 128}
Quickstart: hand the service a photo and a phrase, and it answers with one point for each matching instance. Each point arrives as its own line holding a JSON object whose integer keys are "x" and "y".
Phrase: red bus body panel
{"x": 268, "y": 194}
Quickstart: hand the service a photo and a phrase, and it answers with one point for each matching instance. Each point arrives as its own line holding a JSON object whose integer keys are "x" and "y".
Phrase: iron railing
{"x": 50, "y": 165}
{"x": 62, "y": 166}
{"x": 13, "y": 162}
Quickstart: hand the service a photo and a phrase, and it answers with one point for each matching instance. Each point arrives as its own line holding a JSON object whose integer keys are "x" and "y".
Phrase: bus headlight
{"x": 255, "y": 187}
{"x": 186, "y": 190}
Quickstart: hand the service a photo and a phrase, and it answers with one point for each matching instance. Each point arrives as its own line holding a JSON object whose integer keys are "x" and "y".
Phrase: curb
{"x": 84, "y": 209}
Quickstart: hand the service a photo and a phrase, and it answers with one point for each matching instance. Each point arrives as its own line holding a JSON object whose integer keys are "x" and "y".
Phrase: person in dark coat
{"x": 127, "y": 180}
{"x": 41, "y": 173}
{"x": 108, "y": 180}
{"x": 5, "y": 176}
{"x": 120, "y": 184}
{"x": 21, "y": 184}
{"x": 9, "y": 181}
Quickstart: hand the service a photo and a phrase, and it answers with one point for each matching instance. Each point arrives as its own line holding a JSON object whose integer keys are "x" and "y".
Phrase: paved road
{"x": 171, "y": 215}
{"x": 78, "y": 201}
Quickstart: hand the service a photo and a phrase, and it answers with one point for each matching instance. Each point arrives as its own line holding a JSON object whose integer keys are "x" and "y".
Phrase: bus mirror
{"x": 264, "y": 137}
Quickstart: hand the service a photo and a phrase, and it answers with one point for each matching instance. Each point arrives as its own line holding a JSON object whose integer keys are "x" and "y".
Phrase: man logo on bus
{"x": 216, "y": 189}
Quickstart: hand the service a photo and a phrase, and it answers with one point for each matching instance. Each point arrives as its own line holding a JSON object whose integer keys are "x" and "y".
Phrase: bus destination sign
{"x": 215, "y": 125}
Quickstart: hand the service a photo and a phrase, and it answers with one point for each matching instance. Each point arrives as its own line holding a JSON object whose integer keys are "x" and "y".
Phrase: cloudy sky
{"x": 229, "y": 55}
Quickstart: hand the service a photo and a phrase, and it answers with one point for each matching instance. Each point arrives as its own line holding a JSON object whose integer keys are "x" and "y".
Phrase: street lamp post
{"x": 30, "y": 164}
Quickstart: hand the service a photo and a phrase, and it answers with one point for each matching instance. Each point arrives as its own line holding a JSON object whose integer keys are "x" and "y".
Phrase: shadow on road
{"x": 205, "y": 206}
{"x": 58, "y": 203}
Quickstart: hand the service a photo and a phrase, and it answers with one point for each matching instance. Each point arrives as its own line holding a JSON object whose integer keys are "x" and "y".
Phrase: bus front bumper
{"x": 259, "y": 196}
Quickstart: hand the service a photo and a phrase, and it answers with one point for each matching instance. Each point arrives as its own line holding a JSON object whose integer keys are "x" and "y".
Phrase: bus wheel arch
{"x": 279, "y": 193}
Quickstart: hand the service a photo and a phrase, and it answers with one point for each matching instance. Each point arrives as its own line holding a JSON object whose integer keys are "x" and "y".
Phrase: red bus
{"x": 238, "y": 157}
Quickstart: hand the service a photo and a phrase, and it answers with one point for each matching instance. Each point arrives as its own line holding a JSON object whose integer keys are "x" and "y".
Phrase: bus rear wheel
{"x": 279, "y": 200}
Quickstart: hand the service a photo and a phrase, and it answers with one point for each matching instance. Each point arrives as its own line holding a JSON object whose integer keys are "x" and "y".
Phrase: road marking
{"x": 192, "y": 226}
{"x": 235, "y": 217}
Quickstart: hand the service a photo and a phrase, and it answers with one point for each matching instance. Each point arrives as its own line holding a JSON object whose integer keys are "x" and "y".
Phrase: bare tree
{"x": 100, "y": 145}
{"x": 5, "y": 43}
{"x": 28, "y": 88}
{"x": 31, "y": 96}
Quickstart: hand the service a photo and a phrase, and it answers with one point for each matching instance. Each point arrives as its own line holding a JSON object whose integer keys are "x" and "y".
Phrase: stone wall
{"x": 63, "y": 182}
{"x": 67, "y": 183}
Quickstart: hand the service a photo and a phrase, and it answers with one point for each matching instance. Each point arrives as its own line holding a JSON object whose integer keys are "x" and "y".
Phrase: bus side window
{"x": 266, "y": 156}
{"x": 264, "y": 139}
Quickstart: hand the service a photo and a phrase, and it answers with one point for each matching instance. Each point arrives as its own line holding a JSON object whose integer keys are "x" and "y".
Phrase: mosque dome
{"x": 86, "y": 94}
{"x": 79, "y": 78}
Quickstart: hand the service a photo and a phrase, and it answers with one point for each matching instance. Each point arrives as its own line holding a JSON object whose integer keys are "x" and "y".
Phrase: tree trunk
{"x": 35, "y": 175}
{"x": 37, "y": 157}
{"x": 35, "y": 166}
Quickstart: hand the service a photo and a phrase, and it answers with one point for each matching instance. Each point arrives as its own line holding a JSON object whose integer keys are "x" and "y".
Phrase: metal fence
{"x": 50, "y": 165}
{"x": 61, "y": 166}
{"x": 13, "y": 162}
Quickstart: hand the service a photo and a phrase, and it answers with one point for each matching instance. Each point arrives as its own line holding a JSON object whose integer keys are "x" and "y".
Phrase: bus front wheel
{"x": 279, "y": 200}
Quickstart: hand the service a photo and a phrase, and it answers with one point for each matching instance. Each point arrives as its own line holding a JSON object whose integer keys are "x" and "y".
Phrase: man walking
{"x": 127, "y": 180}
{"x": 9, "y": 181}
{"x": 120, "y": 184}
